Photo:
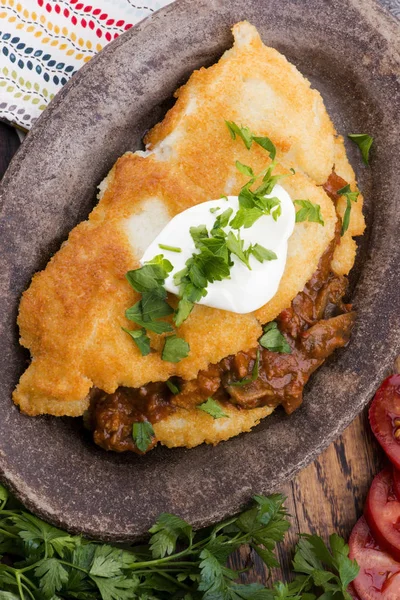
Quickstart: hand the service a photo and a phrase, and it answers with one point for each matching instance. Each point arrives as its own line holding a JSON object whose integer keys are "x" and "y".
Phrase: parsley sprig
{"x": 42, "y": 562}
{"x": 350, "y": 197}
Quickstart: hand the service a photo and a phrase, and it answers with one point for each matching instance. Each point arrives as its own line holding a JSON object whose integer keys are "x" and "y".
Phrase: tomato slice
{"x": 379, "y": 576}
{"x": 382, "y": 512}
{"x": 384, "y": 417}
{"x": 396, "y": 482}
{"x": 352, "y": 591}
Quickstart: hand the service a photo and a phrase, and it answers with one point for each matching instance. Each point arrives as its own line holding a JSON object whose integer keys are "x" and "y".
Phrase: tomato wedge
{"x": 382, "y": 512}
{"x": 384, "y": 417}
{"x": 379, "y": 576}
{"x": 396, "y": 482}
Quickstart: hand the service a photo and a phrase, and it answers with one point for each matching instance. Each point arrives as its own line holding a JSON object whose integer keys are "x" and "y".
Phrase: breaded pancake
{"x": 74, "y": 330}
{"x": 72, "y": 315}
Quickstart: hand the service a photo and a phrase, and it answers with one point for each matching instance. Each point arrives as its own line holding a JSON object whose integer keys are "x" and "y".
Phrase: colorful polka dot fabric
{"x": 43, "y": 43}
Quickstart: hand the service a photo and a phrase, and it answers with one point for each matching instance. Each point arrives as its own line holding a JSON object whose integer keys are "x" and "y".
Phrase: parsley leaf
{"x": 266, "y": 143}
{"x": 166, "y": 532}
{"x": 244, "y": 169}
{"x": 135, "y": 314}
{"x": 274, "y": 340}
{"x": 52, "y": 576}
{"x": 364, "y": 142}
{"x": 254, "y": 373}
{"x": 172, "y": 387}
{"x": 170, "y": 248}
{"x": 308, "y": 212}
{"x": 350, "y": 197}
{"x": 175, "y": 349}
{"x": 243, "y": 132}
{"x": 140, "y": 338}
{"x": 160, "y": 569}
{"x": 248, "y": 138}
{"x": 213, "y": 408}
{"x": 236, "y": 245}
{"x": 106, "y": 562}
{"x": 261, "y": 253}
{"x": 143, "y": 434}
{"x": 152, "y": 275}
{"x": 117, "y": 588}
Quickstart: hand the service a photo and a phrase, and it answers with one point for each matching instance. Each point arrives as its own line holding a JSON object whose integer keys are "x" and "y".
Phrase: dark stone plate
{"x": 350, "y": 51}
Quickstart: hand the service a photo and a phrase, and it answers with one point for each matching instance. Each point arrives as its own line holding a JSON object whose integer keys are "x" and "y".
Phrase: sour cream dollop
{"x": 246, "y": 290}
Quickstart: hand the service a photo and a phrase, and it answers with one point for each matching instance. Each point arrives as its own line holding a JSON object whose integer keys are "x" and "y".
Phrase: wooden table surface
{"x": 328, "y": 496}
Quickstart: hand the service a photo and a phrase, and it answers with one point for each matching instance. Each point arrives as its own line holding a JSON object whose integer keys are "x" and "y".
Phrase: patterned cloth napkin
{"x": 44, "y": 42}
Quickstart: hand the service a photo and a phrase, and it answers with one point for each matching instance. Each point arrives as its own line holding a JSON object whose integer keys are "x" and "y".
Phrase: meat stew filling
{"x": 316, "y": 323}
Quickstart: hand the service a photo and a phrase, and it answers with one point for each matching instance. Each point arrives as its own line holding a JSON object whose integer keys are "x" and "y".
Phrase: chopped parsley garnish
{"x": 211, "y": 262}
{"x": 248, "y": 138}
{"x": 141, "y": 340}
{"x": 212, "y": 408}
{"x": 254, "y": 373}
{"x": 142, "y": 433}
{"x": 364, "y": 142}
{"x": 175, "y": 349}
{"x": 274, "y": 340}
{"x": 151, "y": 276}
{"x": 308, "y": 212}
{"x": 169, "y": 248}
{"x": 243, "y": 132}
{"x": 172, "y": 387}
{"x": 350, "y": 197}
{"x": 149, "y": 281}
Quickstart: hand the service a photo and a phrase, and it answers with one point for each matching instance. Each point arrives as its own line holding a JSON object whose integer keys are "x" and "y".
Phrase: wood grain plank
{"x": 326, "y": 497}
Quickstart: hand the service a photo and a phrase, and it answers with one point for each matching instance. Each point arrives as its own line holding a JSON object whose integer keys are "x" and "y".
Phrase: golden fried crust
{"x": 345, "y": 253}
{"x": 71, "y": 316}
{"x": 190, "y": 428}
{"x": 252, "y": 85}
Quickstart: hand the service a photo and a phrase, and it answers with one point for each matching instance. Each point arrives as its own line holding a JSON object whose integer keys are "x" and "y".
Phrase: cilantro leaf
{"x": 254, "y": 373}
{"x": 364, "y": 142}
{"x": 273, "y": 340}
{"x": 213, "y": 408}
{"x": 140, "y": 338}
{"x": 308, "y": 212}
{"x": 52, "y": 576}
{"x": 350, "y": 197}
{"x": 166, "y": 532}
{"x": 143, "y": 434}
{"x": 175, "y": 349}
{"x": 243, "y": 132}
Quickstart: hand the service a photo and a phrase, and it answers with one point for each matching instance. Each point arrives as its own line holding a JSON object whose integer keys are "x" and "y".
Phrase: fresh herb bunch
{"x": 41, "y": 562}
